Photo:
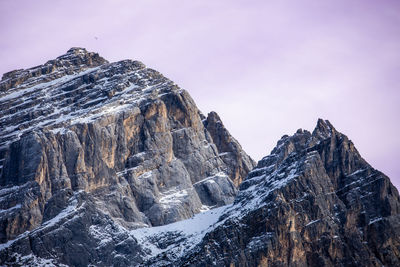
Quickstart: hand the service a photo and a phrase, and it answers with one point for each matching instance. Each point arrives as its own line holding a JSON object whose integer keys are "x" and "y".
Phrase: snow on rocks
{"x": 182, "y": 236}
{"x": 80, "y": 95}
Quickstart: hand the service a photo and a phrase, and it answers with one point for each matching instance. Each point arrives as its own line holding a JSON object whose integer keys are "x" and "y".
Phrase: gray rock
{"x": 314, "y": 201}
{"x": 237, "y": 161}
{"x": 120, "y": 139}
{"x": 96, "y": 158}
{"x": 216, "y": 190}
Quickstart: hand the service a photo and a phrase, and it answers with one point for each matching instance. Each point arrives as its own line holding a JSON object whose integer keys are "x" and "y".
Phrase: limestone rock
{"x": 112, "y": 164}
{"x": 237, "y": 161}
{"x": 89, "y": 147}
{"x": 313, "y": 202}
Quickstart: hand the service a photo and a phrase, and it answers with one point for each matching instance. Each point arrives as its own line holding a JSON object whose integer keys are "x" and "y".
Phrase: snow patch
{"x": 187, "y": 233}
{"x": 64, "y": 213}
{"x": 312, "y": 222}
{"x": 375, "y": 220}
{"x": 16, "y": 207}
{"x": 172, "y": 196}
{"x": 33, "y": 260}
{"x": 211, "y": 178}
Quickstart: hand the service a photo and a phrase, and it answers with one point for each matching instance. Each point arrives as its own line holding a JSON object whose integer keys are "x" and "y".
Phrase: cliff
{"x": 87, "y": 142}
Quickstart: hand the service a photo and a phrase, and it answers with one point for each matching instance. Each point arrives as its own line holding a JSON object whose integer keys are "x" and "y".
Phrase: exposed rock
{"x": 216, "y": 190}
{"x": 237, "y": 161}
{"x": 119, "y": 135}
{"x": 113, "y": 164}
{"x": 74, "y": 61}
{"x": 313, "y": 202}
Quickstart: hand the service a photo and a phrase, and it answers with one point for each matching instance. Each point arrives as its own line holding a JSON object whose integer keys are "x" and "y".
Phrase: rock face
{"x": 237, "y": 161}
{"x": 112, "y": 164}
{"x": 88, "y": 148}
{"x": 313, "y": 202}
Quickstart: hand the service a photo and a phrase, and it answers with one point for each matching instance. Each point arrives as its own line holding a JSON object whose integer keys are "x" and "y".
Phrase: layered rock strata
{"x": 85, "y": 143}
{"x": 314, "y": 201}
{"x": 113, "y": 164}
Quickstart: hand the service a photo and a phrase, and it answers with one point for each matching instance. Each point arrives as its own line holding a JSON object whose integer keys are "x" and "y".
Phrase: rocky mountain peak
{"x": 93, "y": 145}
{"x": 312, "y": 202}
{"x": 76, "y": 50}
{"x": 229, "y": 148}
{"x": 80, "y": 56}
{"x": 213, "y": 117}
{"x": 324, "y": 129}
{"x": 75, "y": 60}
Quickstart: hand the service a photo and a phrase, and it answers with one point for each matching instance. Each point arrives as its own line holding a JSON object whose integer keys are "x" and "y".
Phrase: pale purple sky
{"x": 267, "y": 67}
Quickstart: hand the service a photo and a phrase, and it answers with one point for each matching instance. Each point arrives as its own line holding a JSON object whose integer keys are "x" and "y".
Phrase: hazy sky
{"x": 267, "y": 67}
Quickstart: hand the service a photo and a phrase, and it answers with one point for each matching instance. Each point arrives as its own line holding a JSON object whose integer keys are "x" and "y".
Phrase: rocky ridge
{"x": 314, "y": 201}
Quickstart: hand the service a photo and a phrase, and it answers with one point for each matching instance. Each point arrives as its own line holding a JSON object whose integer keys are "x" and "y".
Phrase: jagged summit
{"x": 75, "y": 53}
{"x": 229, "y": 148}
{"x": 78, "y": 56}
{"x": 75, "y": 60}
{"x": 76, "y": 50}
{"x": 76, "y": 86}
{"x": 312, "y": 202}
{"x": 324, "y": 129}
{"x": 324, "y": 136}
{"x": 303, "y": 139}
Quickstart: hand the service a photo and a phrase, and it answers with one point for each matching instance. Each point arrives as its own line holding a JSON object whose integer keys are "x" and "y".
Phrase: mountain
{"x": 113, "y": 164}
{"x": 86, "y": 144}
{"x": 314, "y": 201}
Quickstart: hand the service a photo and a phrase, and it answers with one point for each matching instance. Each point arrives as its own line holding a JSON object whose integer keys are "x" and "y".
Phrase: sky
{"x": 266, "y": 67}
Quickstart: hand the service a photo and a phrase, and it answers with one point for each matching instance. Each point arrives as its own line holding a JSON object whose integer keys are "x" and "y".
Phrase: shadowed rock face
{"x": 88, "y": 145}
